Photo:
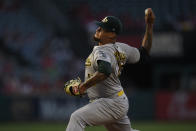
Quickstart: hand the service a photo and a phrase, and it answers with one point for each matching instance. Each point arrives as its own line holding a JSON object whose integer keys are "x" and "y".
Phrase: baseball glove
{"x": 68, "y": 87}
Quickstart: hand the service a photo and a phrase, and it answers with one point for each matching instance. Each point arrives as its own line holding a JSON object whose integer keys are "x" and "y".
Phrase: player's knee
{"x": 76, "y": 116}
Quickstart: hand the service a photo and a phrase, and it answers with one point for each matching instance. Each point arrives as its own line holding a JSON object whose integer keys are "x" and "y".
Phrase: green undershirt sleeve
{"x": 104, "y": 67}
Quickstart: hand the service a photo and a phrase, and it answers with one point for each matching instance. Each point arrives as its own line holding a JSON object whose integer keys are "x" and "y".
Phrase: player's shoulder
{"x": 106, "y": 47}
{"x": 123, "y": 45}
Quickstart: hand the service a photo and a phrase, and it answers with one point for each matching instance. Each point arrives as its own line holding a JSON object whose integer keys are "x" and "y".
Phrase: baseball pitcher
{"x": 108, "y": 104}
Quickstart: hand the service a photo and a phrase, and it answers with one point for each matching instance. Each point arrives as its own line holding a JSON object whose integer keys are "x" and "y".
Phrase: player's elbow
{"x": 144, "y": 56}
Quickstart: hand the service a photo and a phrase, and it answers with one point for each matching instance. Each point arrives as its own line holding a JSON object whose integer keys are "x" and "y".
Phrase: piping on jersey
{"x": 121, "y": 59}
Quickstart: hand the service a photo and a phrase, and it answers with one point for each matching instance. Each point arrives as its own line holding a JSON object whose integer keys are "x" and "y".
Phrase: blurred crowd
{"x": 35, "y": 60}
{"x": 32, "y": 60}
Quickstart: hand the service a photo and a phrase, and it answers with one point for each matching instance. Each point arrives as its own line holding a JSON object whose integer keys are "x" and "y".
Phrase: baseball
{"x": 146, "y": 11}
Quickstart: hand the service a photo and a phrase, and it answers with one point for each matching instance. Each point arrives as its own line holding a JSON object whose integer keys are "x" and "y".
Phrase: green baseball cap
{"x": 111, "y": 24}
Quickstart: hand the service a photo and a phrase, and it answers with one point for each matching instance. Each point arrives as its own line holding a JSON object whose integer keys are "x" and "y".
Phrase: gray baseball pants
{"x": 112, "y": 113}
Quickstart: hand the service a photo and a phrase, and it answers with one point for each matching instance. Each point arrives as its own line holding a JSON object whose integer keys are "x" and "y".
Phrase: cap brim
{"x": 103, "y": 25}
{"x": 99, "y": 24}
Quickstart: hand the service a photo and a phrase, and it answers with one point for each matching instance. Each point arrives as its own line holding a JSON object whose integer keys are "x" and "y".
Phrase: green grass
{"x": 161, "y": 126}
{"x": 143, "y": 126}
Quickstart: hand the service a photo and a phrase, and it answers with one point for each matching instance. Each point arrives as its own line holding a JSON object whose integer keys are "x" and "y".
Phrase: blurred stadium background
{"x": 44, "y": 43}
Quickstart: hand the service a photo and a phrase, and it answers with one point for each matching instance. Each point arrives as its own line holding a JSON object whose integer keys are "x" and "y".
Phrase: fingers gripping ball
{"x": 72, "y": 87}
{"x": 149, "y": 16}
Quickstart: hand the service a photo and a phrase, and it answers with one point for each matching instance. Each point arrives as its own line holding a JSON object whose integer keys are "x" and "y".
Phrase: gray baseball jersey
{"x": 105, "y": 109}
{"x": 117, "y": 55}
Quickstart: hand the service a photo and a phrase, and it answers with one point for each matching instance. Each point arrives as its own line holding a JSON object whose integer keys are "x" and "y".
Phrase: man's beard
{"x": 96, "y": 39}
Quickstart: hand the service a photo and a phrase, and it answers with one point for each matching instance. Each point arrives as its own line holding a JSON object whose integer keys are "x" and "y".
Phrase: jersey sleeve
{"x": 103, "y": 55}
{"x": 132, "y": 53}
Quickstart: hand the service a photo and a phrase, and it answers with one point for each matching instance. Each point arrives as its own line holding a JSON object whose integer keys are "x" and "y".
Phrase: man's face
{"x": 101, "y": 35}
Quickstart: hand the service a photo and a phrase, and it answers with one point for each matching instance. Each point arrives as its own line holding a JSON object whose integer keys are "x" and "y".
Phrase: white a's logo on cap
{"x": 105, "y": 20}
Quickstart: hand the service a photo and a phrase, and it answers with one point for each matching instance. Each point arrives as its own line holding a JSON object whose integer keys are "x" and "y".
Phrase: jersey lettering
{"x": 90, "y": 75}
{"x": 88, "y": 62}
